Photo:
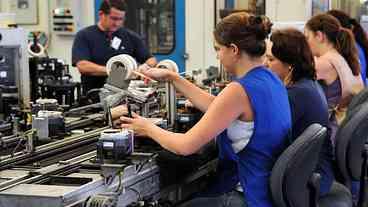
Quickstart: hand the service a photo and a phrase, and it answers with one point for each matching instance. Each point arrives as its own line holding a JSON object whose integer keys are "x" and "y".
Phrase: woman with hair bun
{"x": 250, "y": 135}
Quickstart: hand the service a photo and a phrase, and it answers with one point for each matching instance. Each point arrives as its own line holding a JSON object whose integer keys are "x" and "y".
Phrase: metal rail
{"x": 50, "y": 149}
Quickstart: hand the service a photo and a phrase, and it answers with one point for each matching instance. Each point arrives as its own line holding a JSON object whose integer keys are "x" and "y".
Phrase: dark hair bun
{"x": 248, "y": 32}
{"x": 260, "y": 25}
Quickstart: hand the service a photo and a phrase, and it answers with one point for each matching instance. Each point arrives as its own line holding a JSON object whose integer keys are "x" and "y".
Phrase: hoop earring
{"x": 288, "y": 79}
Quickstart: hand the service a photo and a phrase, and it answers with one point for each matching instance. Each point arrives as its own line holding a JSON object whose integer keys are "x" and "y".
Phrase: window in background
{"x": 363, "y": 14}
{"x": 254, "y": 6}
{"x": 357, "y": 9}
{"x": 320, "y": 6}
{"x": 154, "y": 21}
{"x": 259, "y": 6}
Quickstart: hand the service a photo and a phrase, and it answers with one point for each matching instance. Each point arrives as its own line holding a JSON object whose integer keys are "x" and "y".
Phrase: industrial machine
{"x": 13, "y": 68}
{"x": 74, "y": 157}
{"x": 49, "y": 124}
{"x": 153, "y": 100}
{"x": 50, "y": 78}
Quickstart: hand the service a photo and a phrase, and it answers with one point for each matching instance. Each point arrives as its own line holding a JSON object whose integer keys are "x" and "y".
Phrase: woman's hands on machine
{"x": 140, "y": 125}
{"x": 121, "y": 119}
{"x": 165, "y": 71}
{"x": 160, "y": 74}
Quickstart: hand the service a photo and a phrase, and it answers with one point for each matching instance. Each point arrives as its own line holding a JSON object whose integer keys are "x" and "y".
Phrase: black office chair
{"x": 293, "y": 182}
{"x": 356, "y": 102}
{"x": 351, "y": 152}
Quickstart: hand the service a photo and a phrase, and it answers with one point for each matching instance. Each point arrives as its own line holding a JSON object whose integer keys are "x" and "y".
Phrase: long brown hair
{"x": 246, "y": 31}
{"x": 347, "y": 22}
{"x": 341, "y": 38}
{"x": 290, "y": 46}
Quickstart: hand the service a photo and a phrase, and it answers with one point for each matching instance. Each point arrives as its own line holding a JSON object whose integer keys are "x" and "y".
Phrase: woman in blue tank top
{"x": 255, "y": 102}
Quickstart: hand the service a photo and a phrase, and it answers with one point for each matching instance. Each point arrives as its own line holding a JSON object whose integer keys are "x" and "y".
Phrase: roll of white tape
{"x": 124, "y": 64}
{"x": 33, "y": 53}
{"x": 168, "y": 64}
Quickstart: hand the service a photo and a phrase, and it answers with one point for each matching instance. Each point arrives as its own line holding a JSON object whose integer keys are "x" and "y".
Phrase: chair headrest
{"x": 293, "y": 169}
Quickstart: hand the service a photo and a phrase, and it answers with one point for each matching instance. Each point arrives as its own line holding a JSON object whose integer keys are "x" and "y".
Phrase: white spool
{"x": 170, "y": 91}
{"x": 36, "y": 54}
{"x": 168, "y": 64}
{"x": 125, "y": 63}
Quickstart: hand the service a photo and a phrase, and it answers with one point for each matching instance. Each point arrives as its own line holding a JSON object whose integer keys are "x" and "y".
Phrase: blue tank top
{"x": 363, "y": 63}
{"x": 272, "y": 122}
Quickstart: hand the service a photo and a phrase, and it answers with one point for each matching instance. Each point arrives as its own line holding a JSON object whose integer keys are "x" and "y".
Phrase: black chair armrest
{"x": 314, "y": 186}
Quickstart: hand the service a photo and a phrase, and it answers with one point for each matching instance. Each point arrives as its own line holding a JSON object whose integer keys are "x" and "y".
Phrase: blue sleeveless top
{"x": 272, "y": 122}
{"x": 363, "y": 63}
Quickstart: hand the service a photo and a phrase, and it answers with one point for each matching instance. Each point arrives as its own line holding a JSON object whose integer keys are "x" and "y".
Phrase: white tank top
{"x": 240, "y": 132}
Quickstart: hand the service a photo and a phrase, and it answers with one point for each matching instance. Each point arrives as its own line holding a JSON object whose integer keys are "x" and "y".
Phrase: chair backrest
{"x": 356, "y": 102}
{"x": 295, "y": 167}
{"x": 350, "y": 139}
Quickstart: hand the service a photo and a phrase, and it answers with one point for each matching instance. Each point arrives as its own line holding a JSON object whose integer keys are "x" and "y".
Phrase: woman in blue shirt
{"x": 250, "y": 117}
{"x": 289, "y": 56}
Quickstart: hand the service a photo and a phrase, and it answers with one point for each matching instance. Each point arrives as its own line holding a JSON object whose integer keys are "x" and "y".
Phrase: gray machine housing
{"x": 14, "y": 67}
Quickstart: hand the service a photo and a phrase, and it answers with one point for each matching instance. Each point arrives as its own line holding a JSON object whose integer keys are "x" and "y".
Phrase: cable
{"x": 21, "y": 139}
{"x": 140, "y": 166}
{"x": 119, "y": 189}
{"x": 17, "y": 146}
{"x": 136, "y": 191}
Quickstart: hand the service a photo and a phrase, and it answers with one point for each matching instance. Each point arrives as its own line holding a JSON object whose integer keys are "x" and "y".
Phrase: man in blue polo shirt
{"x": 95, "y": 45}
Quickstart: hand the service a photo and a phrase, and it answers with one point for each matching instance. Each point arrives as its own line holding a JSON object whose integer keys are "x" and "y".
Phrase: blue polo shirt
{"x": 95, "y": 45}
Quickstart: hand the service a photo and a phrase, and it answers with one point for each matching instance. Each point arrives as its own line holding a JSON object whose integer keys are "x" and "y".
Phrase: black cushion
{"x": 294, "y": 168}
{"x": 339, "y": 196}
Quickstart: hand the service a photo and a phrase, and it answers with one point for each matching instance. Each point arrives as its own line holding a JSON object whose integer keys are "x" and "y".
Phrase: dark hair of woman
{"x": 342, "y": 38}
{"x": 347, "y": 22}
{"x": 290, "y": 46}
{"x": 246, "y": 31}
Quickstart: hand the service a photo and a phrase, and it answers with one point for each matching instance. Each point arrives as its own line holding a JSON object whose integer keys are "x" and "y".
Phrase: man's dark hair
{"x": 106, "y": 5}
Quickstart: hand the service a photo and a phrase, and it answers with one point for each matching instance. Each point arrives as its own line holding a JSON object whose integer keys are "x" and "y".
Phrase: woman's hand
{"x": 144, "y": 67}
{"x": 140, "y": 125}
{"x": 160, "y": 74}
{"x": 119, "y": 111}
{"x": 188, "y": 104}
